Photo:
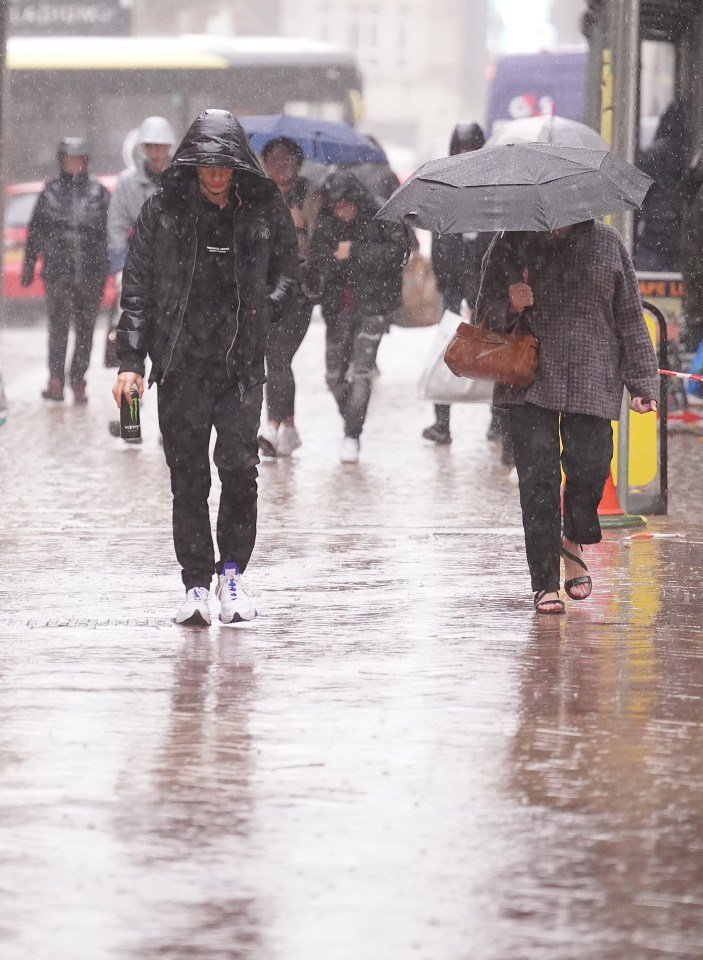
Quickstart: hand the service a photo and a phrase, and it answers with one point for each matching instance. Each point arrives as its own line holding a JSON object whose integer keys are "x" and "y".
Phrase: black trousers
{"x": 587, "y": 449}
{"x": 68, "y": 301}
{"x": 282, "y": 345}
{"x": 192, "y": 402}
{"x": 352, "y": 344}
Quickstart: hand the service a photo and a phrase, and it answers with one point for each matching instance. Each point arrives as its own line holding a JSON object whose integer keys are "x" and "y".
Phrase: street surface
{"x": 398, "y": 760}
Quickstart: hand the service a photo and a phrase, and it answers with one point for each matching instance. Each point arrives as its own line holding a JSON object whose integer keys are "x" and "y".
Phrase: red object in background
{"x": 20, "y": 199}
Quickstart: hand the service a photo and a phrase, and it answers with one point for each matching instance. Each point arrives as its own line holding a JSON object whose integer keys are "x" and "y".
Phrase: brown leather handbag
{"x": 483, "y": 354}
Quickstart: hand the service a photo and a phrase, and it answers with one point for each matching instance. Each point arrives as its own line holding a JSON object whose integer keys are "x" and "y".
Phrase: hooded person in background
{"x": 212, "y": 262}
{"x": 279, "y": 437}
{"x": 152, "y": 154}
{"x": 658, "y": 241}
{"x": 456, "y": 262}
{"x": 69, "y": 230}
{"x": 354, "y": 269}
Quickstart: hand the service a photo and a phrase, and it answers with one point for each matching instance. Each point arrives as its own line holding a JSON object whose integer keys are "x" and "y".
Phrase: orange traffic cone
{"x": 609, "y": 505}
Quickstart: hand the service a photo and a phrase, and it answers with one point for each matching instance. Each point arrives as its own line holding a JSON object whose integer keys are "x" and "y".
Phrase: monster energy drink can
{"x": 130, "y": 425}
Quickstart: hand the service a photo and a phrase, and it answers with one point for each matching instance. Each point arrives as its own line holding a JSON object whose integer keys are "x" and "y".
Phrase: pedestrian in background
{"x": 282, "y": 160}
{"x": 69, "y": 230}
{"x": 151, "y": 156}
{"x": 456, "y": 262}
{"x": 213, "y": 261}
{"x": 585, "y": 309}
{"x": 355, "y": 268}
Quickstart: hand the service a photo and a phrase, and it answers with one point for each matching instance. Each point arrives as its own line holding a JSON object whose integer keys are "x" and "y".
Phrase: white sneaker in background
{"x": 288, "y": 440}
{"x": 268, "y": 440}
{"x": 235, "y": 602}
{"x": 194, "y": 611}
{"x": 349, "y": 452}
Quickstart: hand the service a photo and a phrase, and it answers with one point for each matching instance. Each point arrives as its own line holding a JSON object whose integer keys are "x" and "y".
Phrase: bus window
{"x": 530, "y": 84}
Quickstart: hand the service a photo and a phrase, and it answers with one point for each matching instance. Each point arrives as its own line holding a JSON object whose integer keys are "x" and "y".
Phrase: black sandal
{"x": 540, "y": 602}
{"x": 576, "y": 581}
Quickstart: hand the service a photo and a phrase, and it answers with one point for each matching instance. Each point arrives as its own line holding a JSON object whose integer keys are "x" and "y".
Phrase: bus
{"x": 102, "y": 87}
{"x": 532, "y": 84}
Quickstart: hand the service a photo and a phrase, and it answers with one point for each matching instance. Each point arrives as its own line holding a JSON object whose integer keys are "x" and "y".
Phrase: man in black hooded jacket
{"x": 69, "y": 230}
{"x": 211, "y": 264}
{"x": 354, "y": 268}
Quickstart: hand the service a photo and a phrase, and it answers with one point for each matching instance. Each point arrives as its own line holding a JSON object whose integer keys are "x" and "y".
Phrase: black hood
{"x": 344, "y": 185}
{"x": 215, "y": 139}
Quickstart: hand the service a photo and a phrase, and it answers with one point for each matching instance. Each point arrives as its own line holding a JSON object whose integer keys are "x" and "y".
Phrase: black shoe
{"x": 493, "y": 432}
{"x": 437, "y": 434}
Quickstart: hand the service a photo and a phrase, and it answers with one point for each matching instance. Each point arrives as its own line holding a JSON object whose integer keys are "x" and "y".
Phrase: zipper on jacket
{"x": 185, "y": 303}
{"x": 239, "y": 297}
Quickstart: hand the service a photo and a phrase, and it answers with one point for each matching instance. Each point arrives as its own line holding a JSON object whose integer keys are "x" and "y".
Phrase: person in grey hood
{"x": 68, "y": 230}
{"x": 152, "y": 154}
{"x": 212, "y": 262}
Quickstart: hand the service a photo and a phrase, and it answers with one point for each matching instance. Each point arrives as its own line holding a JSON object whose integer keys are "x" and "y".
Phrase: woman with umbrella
{"x": 579, "y": 286}
{"x": 574, "y": 275}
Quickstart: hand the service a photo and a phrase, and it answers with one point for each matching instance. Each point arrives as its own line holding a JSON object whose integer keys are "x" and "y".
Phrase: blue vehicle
{"x": 534, "y": 84}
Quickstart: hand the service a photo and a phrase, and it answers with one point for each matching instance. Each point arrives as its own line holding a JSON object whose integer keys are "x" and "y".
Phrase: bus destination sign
{"x": 70, "y": 17}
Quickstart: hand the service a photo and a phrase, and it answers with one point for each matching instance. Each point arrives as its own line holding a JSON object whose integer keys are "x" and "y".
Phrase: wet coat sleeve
{"x": 283, "y": 279}
{"x": 36, "y": 237}
{"x": 134, "y": 327}
{"x": 638, "y": 360}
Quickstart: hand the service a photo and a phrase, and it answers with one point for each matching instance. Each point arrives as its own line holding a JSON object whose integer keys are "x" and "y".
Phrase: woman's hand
{"x": 643, "y": 406}
{"x": 521, "y": 296}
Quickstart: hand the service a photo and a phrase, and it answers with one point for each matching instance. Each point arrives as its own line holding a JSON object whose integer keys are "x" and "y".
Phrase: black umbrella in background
{"x": 520, "y": 186}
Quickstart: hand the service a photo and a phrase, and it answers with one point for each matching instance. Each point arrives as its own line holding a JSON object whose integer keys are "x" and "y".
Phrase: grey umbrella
{"x": 521, "y": 186}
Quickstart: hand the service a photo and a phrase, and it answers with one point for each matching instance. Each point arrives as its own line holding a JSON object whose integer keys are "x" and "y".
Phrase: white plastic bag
{"x": 437, "y": 382}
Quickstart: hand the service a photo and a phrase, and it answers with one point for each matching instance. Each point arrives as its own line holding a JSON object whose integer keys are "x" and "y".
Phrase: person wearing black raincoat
{"x": 354, "y": 269}
{"x": 212, "y": 263}
{"x": 658, "y": 241}
{"x": 456, "y": 263}
{"x": 69, "y": 230}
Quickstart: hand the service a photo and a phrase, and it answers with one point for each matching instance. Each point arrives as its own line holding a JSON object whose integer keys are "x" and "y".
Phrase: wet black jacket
{"x": 660, "y": 226}
{"x": 69, "y": 229}
{"x": 371, "y": 278}
{"x": 456, "y": 262}
{"x": 161, "y": 257}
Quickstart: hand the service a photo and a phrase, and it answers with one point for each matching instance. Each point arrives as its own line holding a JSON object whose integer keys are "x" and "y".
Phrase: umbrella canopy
{"x": 320, "y": 140}
{"x": 548, "y": 129}
{"x": 522, "y": 186}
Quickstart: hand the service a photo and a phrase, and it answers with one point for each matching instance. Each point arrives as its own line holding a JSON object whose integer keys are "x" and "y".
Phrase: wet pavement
{"x": 398, "y": 759}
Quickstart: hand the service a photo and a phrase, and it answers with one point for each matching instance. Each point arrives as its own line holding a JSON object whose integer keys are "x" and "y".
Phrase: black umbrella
{"x": 519, "y": 186}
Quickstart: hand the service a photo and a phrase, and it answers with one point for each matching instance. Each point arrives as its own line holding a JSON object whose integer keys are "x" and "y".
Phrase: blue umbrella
{"x": 320, "y": 140}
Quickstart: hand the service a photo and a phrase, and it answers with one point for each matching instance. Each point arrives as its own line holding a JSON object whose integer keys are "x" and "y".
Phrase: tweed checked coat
{"x": 587, "y": 316}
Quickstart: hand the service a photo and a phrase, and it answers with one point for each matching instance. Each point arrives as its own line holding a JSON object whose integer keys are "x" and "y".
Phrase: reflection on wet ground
{"x": 397, "y": 760}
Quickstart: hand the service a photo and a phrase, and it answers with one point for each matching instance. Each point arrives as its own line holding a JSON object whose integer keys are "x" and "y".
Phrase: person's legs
{"x": 439, "y": 431}
{"x": 236, "y": 421}
{"x": 284, "y": 340}
{"x": 59, "y": 306}
{"x": 338, "y": 353}
{"x": 85, "y": 312}
{"x": 535, "y": 435}
{"x": 186, "y": 411}
{"x": 360, "y": 374}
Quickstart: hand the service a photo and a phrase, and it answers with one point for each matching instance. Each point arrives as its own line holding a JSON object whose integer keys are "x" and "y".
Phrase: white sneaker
{"x": 268, "y": 440}
{"x": 350, "y": 450}
{"x": 194, "y": 611}
{"x": 288, "y": 440}
{"x": 235, "y": 602}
